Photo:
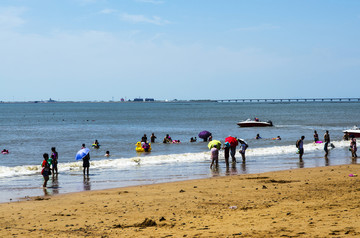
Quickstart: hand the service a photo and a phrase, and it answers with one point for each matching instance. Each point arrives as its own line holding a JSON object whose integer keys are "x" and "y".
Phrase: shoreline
{"x": 256, "y": 164}
{"x": 302, "y": 202}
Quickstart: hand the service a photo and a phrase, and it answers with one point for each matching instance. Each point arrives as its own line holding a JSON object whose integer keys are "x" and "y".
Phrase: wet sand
{"x": 311, "y": 202}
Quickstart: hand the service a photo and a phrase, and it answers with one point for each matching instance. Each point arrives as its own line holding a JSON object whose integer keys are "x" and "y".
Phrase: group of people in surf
{"x": 49, "y": 165}
{"x": 327, "y": 144}
{"x": 229, "y": 150}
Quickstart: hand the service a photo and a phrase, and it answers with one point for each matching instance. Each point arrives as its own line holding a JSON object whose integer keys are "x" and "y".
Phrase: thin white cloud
{"x": 10, "y": 17}
{"x": 157, "y": 37}
{"x": 108, "y": 11}
{"x": 150, "y": 1}
{"x": 263, "y": 27}
{"x": 70, "y": 61}
{"x": 143, "y": 19}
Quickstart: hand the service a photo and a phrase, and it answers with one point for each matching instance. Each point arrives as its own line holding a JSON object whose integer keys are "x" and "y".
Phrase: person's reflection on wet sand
{"x": 232, "y": 170}
{"x": 354, "y": 160}
{"x": 87, "y": 184}
{"x": 55, "y": 184}
{"x": 327, "y": 161}
{"x": 243, "y": 167}
{"x": 46, "y": 193}
{"x": 215, "y": 171}
{"x": 301, "y": 164}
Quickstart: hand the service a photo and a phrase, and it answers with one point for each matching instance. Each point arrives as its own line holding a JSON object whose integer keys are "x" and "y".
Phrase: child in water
{"x": 214, "y": 157}
{"x": 46, "y": 168}
{"x": 146, "y": 146}
{"x": 96, "y": 144}
{"x": 107, "y": 154}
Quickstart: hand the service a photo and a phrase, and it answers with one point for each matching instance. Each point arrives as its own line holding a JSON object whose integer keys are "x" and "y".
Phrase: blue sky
{"x": 178, "y": 49}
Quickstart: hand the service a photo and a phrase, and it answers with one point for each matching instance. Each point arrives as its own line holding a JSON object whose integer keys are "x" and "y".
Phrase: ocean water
{"x": 28, "y": 130}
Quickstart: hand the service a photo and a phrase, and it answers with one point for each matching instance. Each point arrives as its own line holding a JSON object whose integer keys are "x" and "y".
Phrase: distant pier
{"x": 293, "y": 100}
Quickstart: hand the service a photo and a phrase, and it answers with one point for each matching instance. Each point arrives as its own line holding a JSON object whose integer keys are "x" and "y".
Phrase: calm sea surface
{"x": 29, "y": 130}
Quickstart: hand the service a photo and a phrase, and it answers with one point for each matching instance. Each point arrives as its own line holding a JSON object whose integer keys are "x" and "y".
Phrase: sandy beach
{"x": 311, "y": 202}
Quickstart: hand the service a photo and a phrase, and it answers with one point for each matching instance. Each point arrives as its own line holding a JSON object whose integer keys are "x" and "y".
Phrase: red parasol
{"x": 232, "y": 140}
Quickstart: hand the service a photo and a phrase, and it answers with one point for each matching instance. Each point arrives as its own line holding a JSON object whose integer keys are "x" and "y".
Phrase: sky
{"x": 79, "y": 50}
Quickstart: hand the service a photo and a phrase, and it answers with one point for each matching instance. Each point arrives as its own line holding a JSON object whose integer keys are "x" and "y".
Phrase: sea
{"x": 28, "y": 130}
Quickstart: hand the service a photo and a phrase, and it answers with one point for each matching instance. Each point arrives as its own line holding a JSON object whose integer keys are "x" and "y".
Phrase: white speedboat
{"x": 254, "y": 123}
{"x": 355, "y": 131}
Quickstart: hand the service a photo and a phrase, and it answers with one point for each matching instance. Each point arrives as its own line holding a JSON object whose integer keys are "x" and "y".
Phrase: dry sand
{"x": 315, "y": 202}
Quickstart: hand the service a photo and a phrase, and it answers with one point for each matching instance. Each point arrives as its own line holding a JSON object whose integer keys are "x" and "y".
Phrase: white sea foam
{"x": 128, "y": 163}
{"x": 291, "y": 149}
{"x": 18, "y": 170}
{"x": 116, "y": 163}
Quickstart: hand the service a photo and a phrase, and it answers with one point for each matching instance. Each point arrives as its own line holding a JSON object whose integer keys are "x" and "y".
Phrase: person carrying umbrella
{"x": 214, "y": 147}
{"x": 86, "y": 161}
{"x": 233, "y": 143}
{"x": 84, "y": 155}
{"x": 214, "y": 157}
{"x": 205, "y": 135}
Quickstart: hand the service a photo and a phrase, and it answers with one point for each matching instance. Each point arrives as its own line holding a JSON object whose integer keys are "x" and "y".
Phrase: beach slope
{"x": 311, "y": 202}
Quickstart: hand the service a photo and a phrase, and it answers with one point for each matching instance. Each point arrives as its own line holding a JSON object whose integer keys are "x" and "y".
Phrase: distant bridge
{"x": 293, "y": 100}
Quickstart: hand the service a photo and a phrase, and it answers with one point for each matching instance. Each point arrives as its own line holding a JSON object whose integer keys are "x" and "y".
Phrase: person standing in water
{"x": 326, "y": 141}
{"x": 86, "y": 162}
{"x": 353, "y": 147}
{"x": 45, "y": 172}
{"x": 54, "y": 158}
{"x": 152, "y": 138}
{"x": 300, "y": 146}
{"x": 226, "y": 149}
{"x": 316, "y": 136}
{"x": 243, "y": 147}
{"x": 233, "y": 151}
{"x": 214, "y": 157}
